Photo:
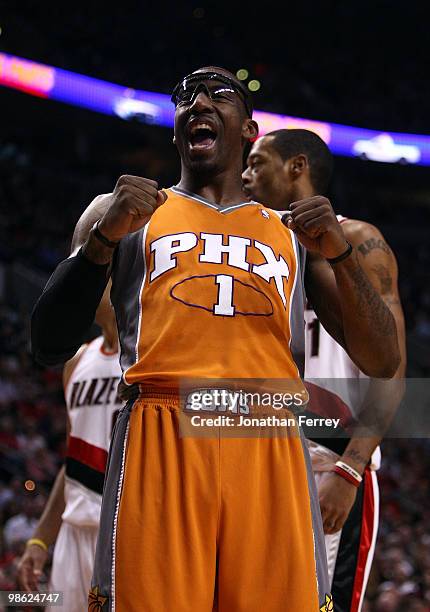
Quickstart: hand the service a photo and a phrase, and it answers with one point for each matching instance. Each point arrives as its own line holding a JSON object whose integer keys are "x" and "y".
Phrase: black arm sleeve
{"x": 64, "y": 313}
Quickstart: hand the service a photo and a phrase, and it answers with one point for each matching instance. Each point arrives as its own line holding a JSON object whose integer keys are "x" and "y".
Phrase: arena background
{"x": 358, "y": 64}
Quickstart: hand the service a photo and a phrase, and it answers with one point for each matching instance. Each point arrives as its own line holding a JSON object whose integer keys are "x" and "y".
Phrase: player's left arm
{"x": 379, "y": 263}
{"x": 342, "y": 295}
{"x": 64, "y": 313}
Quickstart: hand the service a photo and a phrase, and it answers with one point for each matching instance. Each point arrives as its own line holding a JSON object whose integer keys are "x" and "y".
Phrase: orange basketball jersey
{"x": 204, "y": 291}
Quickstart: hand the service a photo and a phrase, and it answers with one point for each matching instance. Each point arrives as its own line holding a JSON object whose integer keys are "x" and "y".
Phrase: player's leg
{"x": 357, "y": 547}
{"x": 271, "y": 547}
{"x": 66, "y": 572}
{"x": 157, "y": 543}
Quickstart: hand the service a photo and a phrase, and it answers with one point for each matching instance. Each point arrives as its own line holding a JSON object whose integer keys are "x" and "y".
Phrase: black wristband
{"x": 347, "y": 253}
{"x": 97, "y": 233}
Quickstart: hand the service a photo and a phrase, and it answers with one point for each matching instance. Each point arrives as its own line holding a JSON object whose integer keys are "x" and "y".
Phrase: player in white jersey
{"x": 283, "y": 167}
{"x": 72, "y": 513}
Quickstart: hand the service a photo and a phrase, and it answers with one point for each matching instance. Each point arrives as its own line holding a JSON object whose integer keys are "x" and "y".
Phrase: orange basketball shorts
{"x": 203, "y": 524}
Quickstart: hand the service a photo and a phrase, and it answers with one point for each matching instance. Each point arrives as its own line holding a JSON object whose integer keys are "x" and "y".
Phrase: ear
{"x": 250, "y": 129}
{"x": 298, "y": 165}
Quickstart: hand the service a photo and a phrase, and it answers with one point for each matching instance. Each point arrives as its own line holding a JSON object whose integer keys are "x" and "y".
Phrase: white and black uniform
{"x": 92, "y": 406}
{"x": 331, "y": 376}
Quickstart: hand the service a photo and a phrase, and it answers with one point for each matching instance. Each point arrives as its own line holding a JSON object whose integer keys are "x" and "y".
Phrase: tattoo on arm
{"x": 382, "y": 272}
{"x": 384, "y": 276}
{"x": 387, "y": 285}
{"x": 373, "y": 243}
{"x": 370, "y": 304}
{"x": 355, "y": 456}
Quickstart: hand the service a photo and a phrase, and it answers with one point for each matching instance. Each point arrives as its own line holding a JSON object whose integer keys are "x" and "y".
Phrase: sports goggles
{"x": 186, "y": 90}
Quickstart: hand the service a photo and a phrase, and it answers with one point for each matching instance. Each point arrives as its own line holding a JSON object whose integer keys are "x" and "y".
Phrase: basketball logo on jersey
{"x": 328, "y": 605}
{"x": 221, "y": 294}
{"x": 96, "y": 600}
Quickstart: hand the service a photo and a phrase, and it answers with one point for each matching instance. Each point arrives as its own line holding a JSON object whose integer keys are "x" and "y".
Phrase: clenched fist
{"x": 133, "y": 202}
{"x": 336, "y": 497}
{"x": 314, "y": 222}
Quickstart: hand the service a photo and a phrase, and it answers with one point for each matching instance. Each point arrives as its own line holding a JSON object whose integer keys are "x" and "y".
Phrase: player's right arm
{"x": 35, "y": 556}
{"x": 66, "y": 309}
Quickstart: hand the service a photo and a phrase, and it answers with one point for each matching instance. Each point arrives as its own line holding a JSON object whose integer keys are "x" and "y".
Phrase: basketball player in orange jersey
{"x": 285, "y": 166}
{"x": 72, "y": 513}
{"x": 206, "y": 285}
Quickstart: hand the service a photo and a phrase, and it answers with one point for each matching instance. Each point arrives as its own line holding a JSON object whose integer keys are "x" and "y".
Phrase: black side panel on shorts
{"x": 102, "y": 587}
{"x": 317, "y": 527}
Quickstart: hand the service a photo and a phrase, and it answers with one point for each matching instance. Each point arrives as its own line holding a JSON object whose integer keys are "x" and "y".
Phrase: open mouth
{"x": 202, "y": 136}
{"x": 247, "y": 193}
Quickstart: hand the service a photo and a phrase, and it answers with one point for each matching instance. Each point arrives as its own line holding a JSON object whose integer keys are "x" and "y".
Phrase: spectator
{"x": 19, "y": 528}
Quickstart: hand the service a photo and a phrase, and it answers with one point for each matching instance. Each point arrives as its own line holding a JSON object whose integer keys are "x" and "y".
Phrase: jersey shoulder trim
{"x": 71, "y": 365}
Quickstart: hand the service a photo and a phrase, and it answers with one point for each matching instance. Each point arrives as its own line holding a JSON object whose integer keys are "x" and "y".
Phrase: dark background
{"x": 363, "y": 64}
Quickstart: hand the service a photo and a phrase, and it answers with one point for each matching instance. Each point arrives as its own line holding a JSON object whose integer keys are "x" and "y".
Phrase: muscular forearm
{"x": 49, "y": 523}
{"x": 359, "y": 451}
{"x": 375, "y": 415}
{"x": 66, "y": 309}
{"x": 368, "y": 325}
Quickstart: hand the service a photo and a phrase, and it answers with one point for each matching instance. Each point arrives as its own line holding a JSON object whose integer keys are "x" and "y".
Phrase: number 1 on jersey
{"x": 224, "y": 305}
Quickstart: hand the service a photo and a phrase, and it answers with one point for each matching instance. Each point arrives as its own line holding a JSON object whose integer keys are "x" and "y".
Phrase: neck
{"x": 224, "y": 189}
{"x": 110, "y": 337}
{"x": 301, "y": 192}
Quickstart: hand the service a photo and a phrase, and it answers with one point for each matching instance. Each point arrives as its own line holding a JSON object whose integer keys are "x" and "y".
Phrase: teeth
{"x": 201, "y": 126}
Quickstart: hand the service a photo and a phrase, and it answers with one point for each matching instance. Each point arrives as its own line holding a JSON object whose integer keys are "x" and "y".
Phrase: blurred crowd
{"x": 400, "y": 577}
{"x": 32, "y": 439}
